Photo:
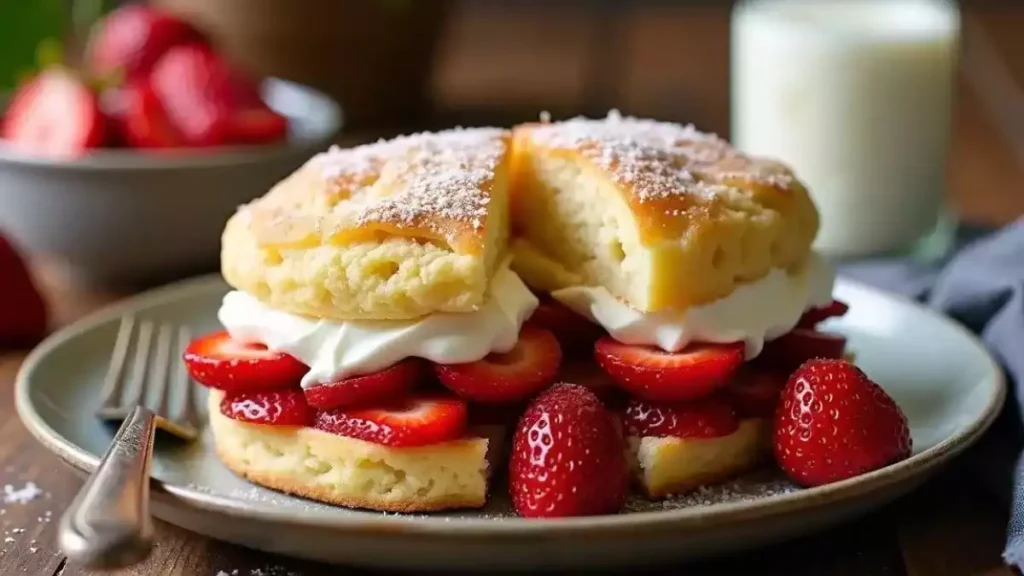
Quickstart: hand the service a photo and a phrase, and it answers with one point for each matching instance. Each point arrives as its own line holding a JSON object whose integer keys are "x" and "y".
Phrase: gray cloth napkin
{"x": 981, "y": 285}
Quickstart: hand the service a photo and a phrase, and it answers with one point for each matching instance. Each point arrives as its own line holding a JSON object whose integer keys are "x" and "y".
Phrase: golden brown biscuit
{"x": 392, "y": 230}
{"x": 663, "y": 216}
{"x": 329, "y": 468}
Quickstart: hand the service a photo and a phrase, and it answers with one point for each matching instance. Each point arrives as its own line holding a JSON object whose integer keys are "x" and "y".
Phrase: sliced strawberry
{"x": 787, "y": 352}
{"x": 814, "y": 316}
{"x": 257, "y": 125}
{"x": 568, "y": 457}
{"x": 755, "y": 393}
{"x": 653, "y": 374}
{"x": 575, "y": 333}
{"x": 412, "y": 421}
{"x": 142, "y": 120}
{"x": 54, "y": 115}
{"x": 193, "y": 84}
{"x": 274, "y": 407}
{"x": 132, "y": 38}
{"x": 509, "y": 377}
{"x": 387, "y": 385}
{"x": 218, "y": 361}
{"x": 711, "y": 417}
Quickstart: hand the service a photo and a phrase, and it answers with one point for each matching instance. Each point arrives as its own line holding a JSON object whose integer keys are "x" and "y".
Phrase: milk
{"x": 856, "y": 95}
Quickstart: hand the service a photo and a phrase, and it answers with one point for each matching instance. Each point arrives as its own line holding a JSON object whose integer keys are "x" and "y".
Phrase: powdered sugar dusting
{"x": 744, "y": 489}
{"x": 23, "y": 495}
{"x": 658, "y": 160}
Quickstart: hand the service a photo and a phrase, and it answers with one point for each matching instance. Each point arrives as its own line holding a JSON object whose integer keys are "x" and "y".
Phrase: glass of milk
{"x": 856, "y": 96}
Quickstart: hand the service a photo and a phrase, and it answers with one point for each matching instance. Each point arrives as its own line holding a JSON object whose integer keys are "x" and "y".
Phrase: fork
{"x": 108, "y": 524}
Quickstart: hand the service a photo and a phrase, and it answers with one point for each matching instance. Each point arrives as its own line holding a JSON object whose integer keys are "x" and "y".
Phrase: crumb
{"x": 22, "y": 495}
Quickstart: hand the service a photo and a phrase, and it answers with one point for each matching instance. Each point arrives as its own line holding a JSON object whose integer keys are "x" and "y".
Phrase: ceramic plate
{"x": 948, "y": 385}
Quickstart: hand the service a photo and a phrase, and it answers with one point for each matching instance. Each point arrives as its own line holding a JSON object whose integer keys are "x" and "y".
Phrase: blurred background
{"x": 402, "y": 65}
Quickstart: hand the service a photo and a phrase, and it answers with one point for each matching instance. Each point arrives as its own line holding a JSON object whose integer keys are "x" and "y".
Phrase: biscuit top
{"x": 672, "y": 176}
{"x": 433, "y": 186}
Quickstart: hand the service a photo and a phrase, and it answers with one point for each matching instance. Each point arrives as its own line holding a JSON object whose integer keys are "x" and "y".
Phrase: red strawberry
{"x": 412, "y": 421}
{"x": 23, "y": 312}
{"x": 257, "y": 125}
{"x": 575, "y": 333}
{"x": 787, "y": 352}
{"x": 814, "y": 316}
{"x": 142, "y": 119}
{"x": 711, "y": 417}
{"x": 54, "y": 115}
{"x": 131, "y": 39}
{"x": 193, "y": 84}
{"x": 567, "y": 457}
{"x": 274, "y": 407}
{"x": 834, "y": 423}
{"x": 755, "y": 393}
{"x": 653, "y": 374}
{"x": 500, "y": 378}
{"x": 388, "y": 384}
{"x": 218, "y": 361}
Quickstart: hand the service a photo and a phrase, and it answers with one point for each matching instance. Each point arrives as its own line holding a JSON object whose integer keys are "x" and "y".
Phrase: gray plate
{"x": 948, "y": 385}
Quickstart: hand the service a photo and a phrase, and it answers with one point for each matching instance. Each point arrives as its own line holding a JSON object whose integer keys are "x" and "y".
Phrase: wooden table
{"x": 954, "y": 525}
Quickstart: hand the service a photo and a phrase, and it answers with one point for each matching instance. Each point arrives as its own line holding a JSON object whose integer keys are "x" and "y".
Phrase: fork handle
{"x": 108, "y": 525}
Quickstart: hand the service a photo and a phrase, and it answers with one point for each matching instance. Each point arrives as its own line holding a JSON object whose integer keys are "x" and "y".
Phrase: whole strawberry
{"x": 567, "y": 457}
{"x": 23, "y": 311}
{"x": 834, "y": 423}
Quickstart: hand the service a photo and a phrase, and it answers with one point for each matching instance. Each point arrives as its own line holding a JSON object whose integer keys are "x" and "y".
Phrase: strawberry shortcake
{"x": 373, "y": 301}
{"x": 696, "y": 261}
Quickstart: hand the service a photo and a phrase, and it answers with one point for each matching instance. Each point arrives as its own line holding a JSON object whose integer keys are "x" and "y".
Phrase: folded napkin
{"x": 981, "y": 285}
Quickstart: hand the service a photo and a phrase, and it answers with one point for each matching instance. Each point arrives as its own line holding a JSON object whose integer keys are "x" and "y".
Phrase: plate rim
{"x": 701, "y": 517}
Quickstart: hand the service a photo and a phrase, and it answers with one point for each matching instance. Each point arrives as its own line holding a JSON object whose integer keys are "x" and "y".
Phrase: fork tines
{"x": 156, "y": 377}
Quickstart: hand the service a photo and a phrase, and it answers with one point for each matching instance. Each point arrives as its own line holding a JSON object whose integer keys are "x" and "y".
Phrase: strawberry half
{"x": 387, "y": 385}
{"x": 54, "y": 115}
{"x": 755, "y": 393}
{"x": 575, "y": 333}
{"x": 141, "y": 118}
{"x": 509, "y": 377}
{"x": 131, "y": 39}
{"x": 711, "y": 417}
{"x": 814, "y": 316}
{"x": 273, "y": 407}
{"x": 834, "y": 423}
{"x": 413, "y": 421}
{"x": 568, "y": 457}
{"x": 218, "y": 361}
{"x": 653, "y": 374}
{"x": 787, "y": 352}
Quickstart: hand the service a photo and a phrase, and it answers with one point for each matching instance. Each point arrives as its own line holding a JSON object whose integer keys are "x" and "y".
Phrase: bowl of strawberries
{"x": 126, "y": 164}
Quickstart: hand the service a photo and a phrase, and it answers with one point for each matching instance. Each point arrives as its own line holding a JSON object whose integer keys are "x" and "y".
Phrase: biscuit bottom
{"x": 348, "y": 472}
{"x": 667, "y": 466}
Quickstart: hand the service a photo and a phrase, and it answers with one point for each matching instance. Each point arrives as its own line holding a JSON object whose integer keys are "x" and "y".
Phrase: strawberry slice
{"x": 218, "y": 361}
{"x": 413, "y": 421}
{"x": 509, "y": 377}
{"x": 814, "y": 316}
{"x": 711, "y": 417}
{"x": 54, "y": 115}
{"x": 274, "y": 407}
{"x": 142, "y": 119}
{"x": 755, "y": 393}
{"x": 131, "y": 39}
{"x": 653, "y": 374}
{"x": 575, "y": 333}
{"x": 388, "y": 384}
{"x": 787, "y": 352}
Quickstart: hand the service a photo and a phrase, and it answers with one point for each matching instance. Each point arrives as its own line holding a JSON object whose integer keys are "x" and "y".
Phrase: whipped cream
{"x": 335, "y": 350}
{"x": 753, "y": 313}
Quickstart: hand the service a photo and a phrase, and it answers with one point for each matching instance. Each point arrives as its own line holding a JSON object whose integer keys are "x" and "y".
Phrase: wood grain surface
{"x": 953, "y": 526}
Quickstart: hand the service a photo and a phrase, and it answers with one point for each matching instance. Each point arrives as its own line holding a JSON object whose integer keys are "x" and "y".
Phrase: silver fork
{"x": 108, "y": 524}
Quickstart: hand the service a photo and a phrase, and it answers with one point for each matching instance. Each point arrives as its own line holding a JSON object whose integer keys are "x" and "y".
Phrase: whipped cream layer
{"x": 753, "y": 313}
{"x": 335, "y": 350}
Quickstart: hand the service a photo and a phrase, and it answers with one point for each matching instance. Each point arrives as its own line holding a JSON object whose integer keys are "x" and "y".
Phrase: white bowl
{"x": 122, "y": 216}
